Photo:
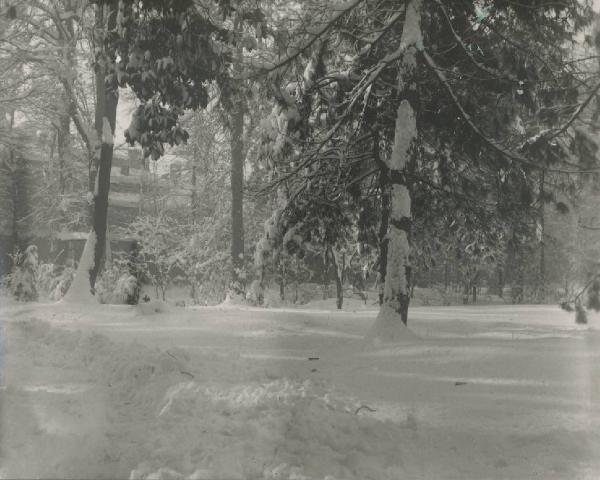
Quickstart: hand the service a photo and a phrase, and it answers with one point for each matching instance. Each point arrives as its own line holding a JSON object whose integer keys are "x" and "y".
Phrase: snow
{"x": 411, "y": 33}
{"x": 400, "y": 201}
{"x": 107, "y": 133}
{"x": 398, "y": 260}
{"x": 309, "y": 74}
{"x": 404, "y": 135}
{"x": 80, "y": 291}
{"x": 125, "y": 199}
{"x": 388, "y": 328}
{"x": 66, "y": 236}
{"x": 235, "y": 392}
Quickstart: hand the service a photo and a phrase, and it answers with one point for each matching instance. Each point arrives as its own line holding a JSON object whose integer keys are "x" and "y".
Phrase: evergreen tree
{"x": 467, "y": 101}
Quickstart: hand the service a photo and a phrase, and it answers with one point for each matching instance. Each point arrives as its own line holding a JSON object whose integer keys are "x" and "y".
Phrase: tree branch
{"x": 346, "y": 8}
{"x": 492, "y": 143}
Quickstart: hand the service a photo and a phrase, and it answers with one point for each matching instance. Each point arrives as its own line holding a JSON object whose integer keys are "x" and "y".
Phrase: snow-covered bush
{"x": 22, "y": 281}
{"x": 206, "y": 260}
{"x": 54, "y": 280}
{"x": 117, "y": 285}
{"x": 161, "y": 250}
{"x": 255, "y": 293}
{"x": 30, "y": 279}
{"x": 591, "y": 293}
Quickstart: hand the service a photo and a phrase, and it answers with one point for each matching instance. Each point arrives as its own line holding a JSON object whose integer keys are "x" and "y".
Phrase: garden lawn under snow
{"x": 235, "y": 393}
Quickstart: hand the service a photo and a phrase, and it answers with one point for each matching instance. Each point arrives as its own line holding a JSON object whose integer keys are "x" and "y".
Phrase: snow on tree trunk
{"x": 396, "y": 290}
{"x": 81, "y": 290}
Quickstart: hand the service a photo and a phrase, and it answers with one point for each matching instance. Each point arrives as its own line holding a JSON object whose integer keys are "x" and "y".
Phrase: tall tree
{"x": 458, "y": 99}
{"x": 173, "y": 54}
{"x": 107, "y": 97}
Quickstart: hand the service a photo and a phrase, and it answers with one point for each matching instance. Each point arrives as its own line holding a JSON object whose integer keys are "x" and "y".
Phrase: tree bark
{"x": 338, "y": 270}
{"x": 542, "y": 286}
{"x": 237, "y": 199}
{"x": 383, "y": 241}
{"x": 68, "y": 43}
{"x": 500, "y": 282}
{"x": 194, "y": 196}
{"x": 106, "y": 114}
{"x": 445, "y": 276}
{"x": 281, "y": 282}
{"x": 396, "y": 292}
{"x": 325, "y": 275}
{"x": 236, "y": 117}
{"x": 17, "y": 197}
{"x": 62, "y": 147}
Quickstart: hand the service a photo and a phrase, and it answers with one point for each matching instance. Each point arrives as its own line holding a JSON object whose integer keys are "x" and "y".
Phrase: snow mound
{"x": 171, "y": 421}
{"x": 134, "y": 373}
{"x": 388, "y": 328}
{"x": 277, "y": 430}
{"x": 80, "y": 291}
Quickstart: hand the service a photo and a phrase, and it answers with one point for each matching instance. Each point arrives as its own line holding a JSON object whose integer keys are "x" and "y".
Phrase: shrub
{"x": 22, "y": 281}
{"x": 55, "y": 280}
{"x": 117, "y": 285}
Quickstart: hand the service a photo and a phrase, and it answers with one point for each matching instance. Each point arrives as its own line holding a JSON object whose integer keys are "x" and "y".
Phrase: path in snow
{"x": 490, "y": 392}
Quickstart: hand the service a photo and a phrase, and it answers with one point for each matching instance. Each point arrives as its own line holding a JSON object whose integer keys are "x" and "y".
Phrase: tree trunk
{"x": 542, "y": 285}
{"x": 94, "y": 253}
{"x": 236, "y": 121}
{"x": 383, "y": 241}
{"x": 396, "y": 292}
{"x": 237, "y": 201}
{"x": 18, "y": 188}
{"x": 281, "y": 282}
{"x": 62, "y": 143}
{"x": 339, "y": 279}
{"x": 194, "y": 204}
{"x": 68, "y": 43}
{"x": 325, "y": 274}
{"x": 521, "y": 282}
{"x": 500, "y": 282}
{"x": 445, "y": 277}
{"x": 106, "y": 114}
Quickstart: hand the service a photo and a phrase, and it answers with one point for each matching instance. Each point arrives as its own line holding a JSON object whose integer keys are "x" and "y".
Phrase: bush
{"x": 22, "y": 281}
{"x": 55, "y": 280}
{"x": 28, "y": 278}
{"x": 117, "y": 285}
{"x": 255, "y": 294}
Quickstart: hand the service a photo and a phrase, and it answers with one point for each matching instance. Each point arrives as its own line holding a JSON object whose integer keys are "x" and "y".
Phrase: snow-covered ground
{"x": 226, "y": 393}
